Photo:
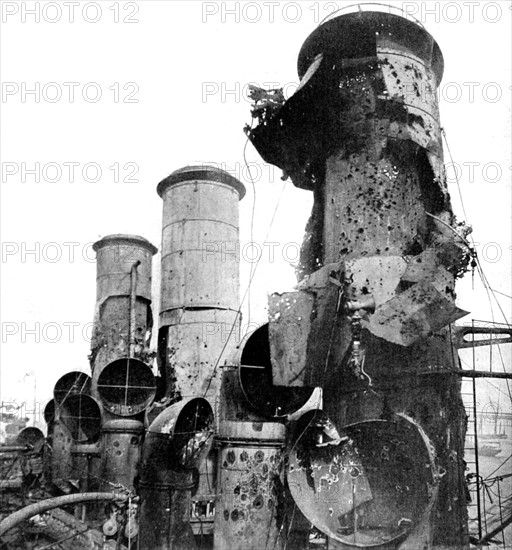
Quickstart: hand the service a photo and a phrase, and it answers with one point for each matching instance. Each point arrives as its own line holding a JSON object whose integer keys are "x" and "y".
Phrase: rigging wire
{"x": 488, "y": 289}
{"x": 443, "y": 132}
{"x": 479, "y": 265}
{"x": 485, "y": 281}
{"x": 502, "y": 293}
{"x": 239, "y": 311}
{"x": 502, "y": 464}
{"x": 253, "y": 210}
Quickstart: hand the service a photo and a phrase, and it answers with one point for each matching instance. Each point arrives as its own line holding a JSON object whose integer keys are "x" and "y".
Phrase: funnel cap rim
{"x": 201, "y": 173}
{"x": 126, "y": 239}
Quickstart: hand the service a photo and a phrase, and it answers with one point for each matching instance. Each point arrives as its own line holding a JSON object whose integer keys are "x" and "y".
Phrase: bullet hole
{"x": 116, "y": 443}
{"x": 134, "y": 441}
{"x": 243, "y": 497}
{"x": 270, "y": 503}
{"x": 360, "y": 230}
{"x": 226, "y": 515}
{"x": 258, "y": 502}
{"x": 237, "y": 490}
{"x": 225, "y": 464}
{"x": 119, "y": 453}
{"x": 354, "y": 472}
{"x": 243, "y": 456}
{"x": 231, "y": 457}
{"x": 234, "y": 515}
{"x": 365, "y": 290}
{"x": 259, "y": 456}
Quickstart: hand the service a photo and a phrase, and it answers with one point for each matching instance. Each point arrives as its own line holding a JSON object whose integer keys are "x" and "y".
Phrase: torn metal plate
{"x": 306, "y": 330}
{"x": 413, "y": 314}
{"x": 375, "y": 275}
{"x": 289, "y": 327}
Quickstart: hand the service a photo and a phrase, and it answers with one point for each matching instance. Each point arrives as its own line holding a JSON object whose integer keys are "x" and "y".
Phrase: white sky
{"x": 181, "y": 58}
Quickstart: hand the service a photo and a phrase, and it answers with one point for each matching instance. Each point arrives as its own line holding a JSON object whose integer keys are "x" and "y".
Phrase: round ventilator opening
{"x": 71, "y": 383}
{"x": 367, "y": 485}
{"x": 256, "y": 379}
{"x": 81, "y": 414}
{"x": 126, "y": 386}
{"x": 192, "y": 434}
{"x": 187, "y": 426}
{"x": 31, "y": 437}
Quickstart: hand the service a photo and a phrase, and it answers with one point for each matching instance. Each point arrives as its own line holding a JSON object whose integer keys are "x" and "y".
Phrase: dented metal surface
{"x": 193, "y": 346}
{"x": 249, "y": 482}
{"x": 413, "y": 314}
{"x": 363, "y": 133}
{"x": 370, "y": 489}
{"x": 250, "y": 467}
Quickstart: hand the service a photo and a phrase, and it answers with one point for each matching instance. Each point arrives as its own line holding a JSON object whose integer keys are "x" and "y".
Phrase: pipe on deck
{"x": 50, "y": 503}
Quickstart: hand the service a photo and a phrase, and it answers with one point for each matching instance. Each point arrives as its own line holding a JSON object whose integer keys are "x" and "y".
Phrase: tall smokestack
{"x": 199, "y": 308}
{"x": 122, "y": 379}
{"x": 200, "y": 279}
{"x": 116, "y": 256}
{"x": 379, "y": 260}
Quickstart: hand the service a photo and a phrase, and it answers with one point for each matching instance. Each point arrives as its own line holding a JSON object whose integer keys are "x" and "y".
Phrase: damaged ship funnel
{"x": 382, "y": 249}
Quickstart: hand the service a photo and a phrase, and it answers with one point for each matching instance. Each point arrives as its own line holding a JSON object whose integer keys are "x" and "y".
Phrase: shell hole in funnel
{"x": 126, "y": 386}
{"x": 81, "y": 414}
